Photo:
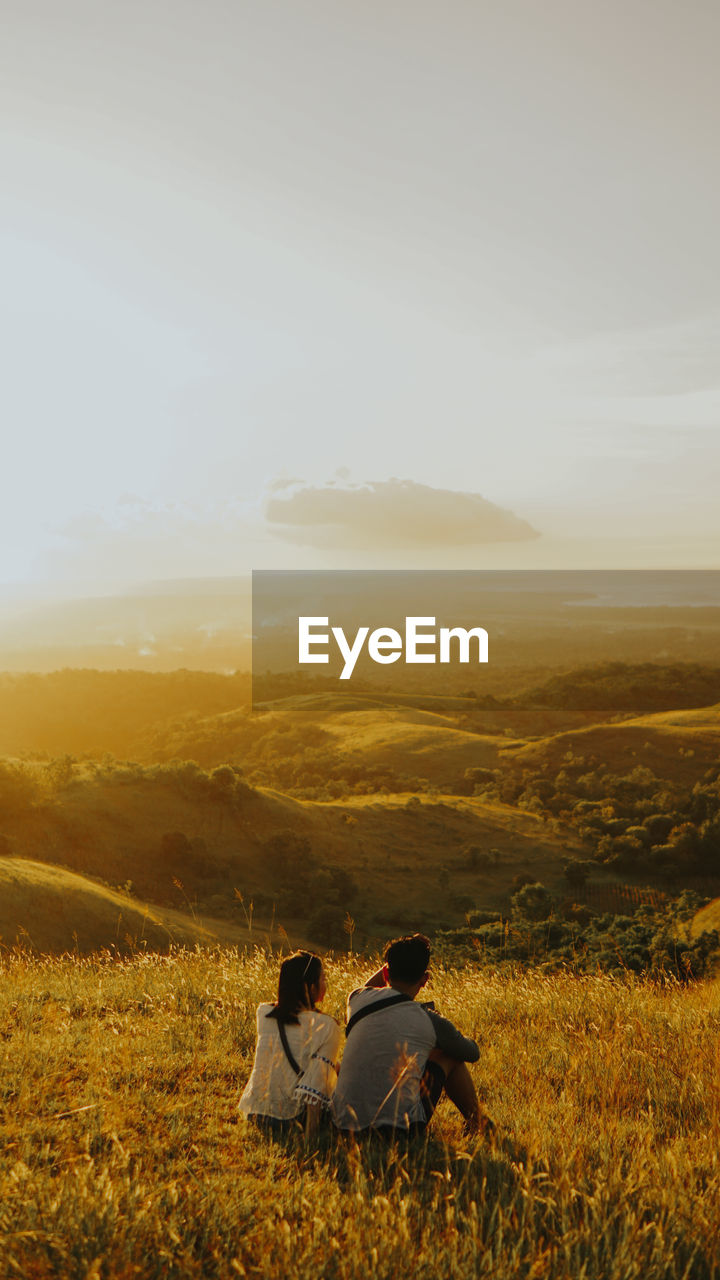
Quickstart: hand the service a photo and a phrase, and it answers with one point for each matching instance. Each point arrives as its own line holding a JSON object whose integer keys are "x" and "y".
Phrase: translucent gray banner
{"x": 466, "y": 633}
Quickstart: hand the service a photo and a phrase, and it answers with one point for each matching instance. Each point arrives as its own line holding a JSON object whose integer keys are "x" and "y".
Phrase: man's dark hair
{"x": 407, "y": 958}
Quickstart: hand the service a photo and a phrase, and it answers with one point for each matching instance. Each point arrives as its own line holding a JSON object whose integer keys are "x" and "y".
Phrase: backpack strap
{"x": 288, "y": 1051}
{"x": 365, "y": 1012}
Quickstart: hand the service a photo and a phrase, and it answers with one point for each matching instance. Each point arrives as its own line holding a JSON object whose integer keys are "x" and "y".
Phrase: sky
{"x": 274, "y": 269}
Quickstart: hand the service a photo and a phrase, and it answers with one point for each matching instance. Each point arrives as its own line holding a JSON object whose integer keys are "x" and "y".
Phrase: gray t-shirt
{"x": 385, "y": 1056}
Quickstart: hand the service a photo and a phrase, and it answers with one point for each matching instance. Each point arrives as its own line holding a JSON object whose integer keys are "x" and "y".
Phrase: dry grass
{"x": 677, "y": 745}
{"x": 123, "y": 1153}
{"x": 51, "y": 909}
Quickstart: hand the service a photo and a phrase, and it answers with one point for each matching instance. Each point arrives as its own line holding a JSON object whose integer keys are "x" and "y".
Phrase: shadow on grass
{"x": 377, "y": 1163}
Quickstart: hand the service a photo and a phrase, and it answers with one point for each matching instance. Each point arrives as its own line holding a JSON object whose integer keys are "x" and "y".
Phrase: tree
{"x": 326, "y": 926}
{"x": 577, "y": 871}
{"x": 532, "y": 902}
{"x": 287, "y": 853}
{"x": 175, "y": 848}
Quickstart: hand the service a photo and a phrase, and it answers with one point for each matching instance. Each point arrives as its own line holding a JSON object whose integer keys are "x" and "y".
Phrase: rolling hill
{"x": 369, "y": 795}
{"x": 51, "y": 909}
{"x": 408, "y": 854}
{"x": 676, "y": 745}
{"x": 706, "y": 918}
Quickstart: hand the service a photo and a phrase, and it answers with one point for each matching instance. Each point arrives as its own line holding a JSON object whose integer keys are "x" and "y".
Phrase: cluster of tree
{"x": 302, "y": 886}
{"x": 284, "y": 881}
{"x": 301, "y": 760}
{"x": 538, "y": 932}
{"x": 622, "y": 686}
{"x": 326, "y": 778}
{"x": 20, "y": 788}
{"x": 634, "y": 823}
{"x": 224, "y": 786}
{"x": 24, "y": 785}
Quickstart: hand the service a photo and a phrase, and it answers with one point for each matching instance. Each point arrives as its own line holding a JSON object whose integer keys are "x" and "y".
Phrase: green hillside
{"x": 676, "y": 745}
{"x": 364, "y": 812}
{"x": 183, "y": 836}
{"x": 51, "y": 909}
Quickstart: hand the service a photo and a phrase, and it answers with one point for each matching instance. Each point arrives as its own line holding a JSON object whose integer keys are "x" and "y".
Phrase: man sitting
{"x": 400, "y": 1055}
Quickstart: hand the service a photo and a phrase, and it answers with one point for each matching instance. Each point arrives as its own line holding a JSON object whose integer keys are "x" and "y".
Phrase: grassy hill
{"x": 706, "y": 918}
{"x": 403, "y": 739}
{"x": 204, "y": 715}
{"x": 307, "y": 742}
{"x": 178, "y": 841}
{"x": 50, "y": 909}
{"x": 676, "y": 745}
{"x": 122, "y": 1152}
{"x": 404, "y": 811}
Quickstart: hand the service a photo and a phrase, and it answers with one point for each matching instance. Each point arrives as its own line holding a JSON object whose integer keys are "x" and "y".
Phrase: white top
{"x": 384, "y": 1059}
{"x": 273, "y": 1088}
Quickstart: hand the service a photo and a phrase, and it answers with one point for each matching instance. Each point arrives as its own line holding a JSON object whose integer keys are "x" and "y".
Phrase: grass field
{"x": 122, "y": 1153}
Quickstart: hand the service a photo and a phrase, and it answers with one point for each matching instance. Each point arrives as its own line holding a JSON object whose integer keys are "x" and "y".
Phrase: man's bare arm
{"x": 377, "y": 979}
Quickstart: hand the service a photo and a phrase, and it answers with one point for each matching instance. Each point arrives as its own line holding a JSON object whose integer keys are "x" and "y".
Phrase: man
{"x": 400, "y": 1055}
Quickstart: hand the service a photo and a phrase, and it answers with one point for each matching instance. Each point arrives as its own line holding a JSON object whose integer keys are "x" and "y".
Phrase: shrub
{"x": 532, "y": 902}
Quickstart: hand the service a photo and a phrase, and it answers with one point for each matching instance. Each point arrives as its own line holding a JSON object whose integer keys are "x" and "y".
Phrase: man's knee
{"x": 444, "y": 1061}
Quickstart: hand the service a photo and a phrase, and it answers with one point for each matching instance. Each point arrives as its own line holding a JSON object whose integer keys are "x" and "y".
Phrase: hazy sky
{"x": 470, "y": 245}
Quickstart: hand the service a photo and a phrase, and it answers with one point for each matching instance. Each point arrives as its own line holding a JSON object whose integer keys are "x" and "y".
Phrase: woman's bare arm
{"x": 312, "y": 1120}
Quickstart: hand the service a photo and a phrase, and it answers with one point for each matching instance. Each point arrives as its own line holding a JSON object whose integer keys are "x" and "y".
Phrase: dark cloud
{"x": 394, "y": 514}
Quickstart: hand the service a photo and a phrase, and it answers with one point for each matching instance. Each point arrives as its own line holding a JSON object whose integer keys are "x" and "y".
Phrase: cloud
{"x": 137, "y": 540}
{"x": 393, "y": 514}
{"x": 679, "y": 361}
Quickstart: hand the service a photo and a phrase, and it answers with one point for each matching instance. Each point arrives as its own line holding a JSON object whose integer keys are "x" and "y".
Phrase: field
{"x": 122, "y": 1153}
{"x": 182, "y": 820}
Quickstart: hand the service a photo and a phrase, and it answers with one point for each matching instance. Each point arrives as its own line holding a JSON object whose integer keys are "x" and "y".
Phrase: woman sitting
{"x": 295, "y": 1072}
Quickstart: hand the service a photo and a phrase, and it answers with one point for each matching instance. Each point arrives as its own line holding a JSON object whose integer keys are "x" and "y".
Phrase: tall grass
{"x": 122, "y": 1153}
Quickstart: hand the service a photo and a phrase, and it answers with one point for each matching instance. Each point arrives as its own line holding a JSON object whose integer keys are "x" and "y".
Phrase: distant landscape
{"x": 551, "y": 813}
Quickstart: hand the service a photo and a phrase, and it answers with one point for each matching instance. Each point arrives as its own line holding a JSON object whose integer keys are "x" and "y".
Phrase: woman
{"x": 294, "y": 1073}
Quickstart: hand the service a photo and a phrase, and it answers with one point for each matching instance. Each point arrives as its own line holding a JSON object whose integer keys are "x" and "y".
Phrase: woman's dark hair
{"x": 298, "y": 973}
